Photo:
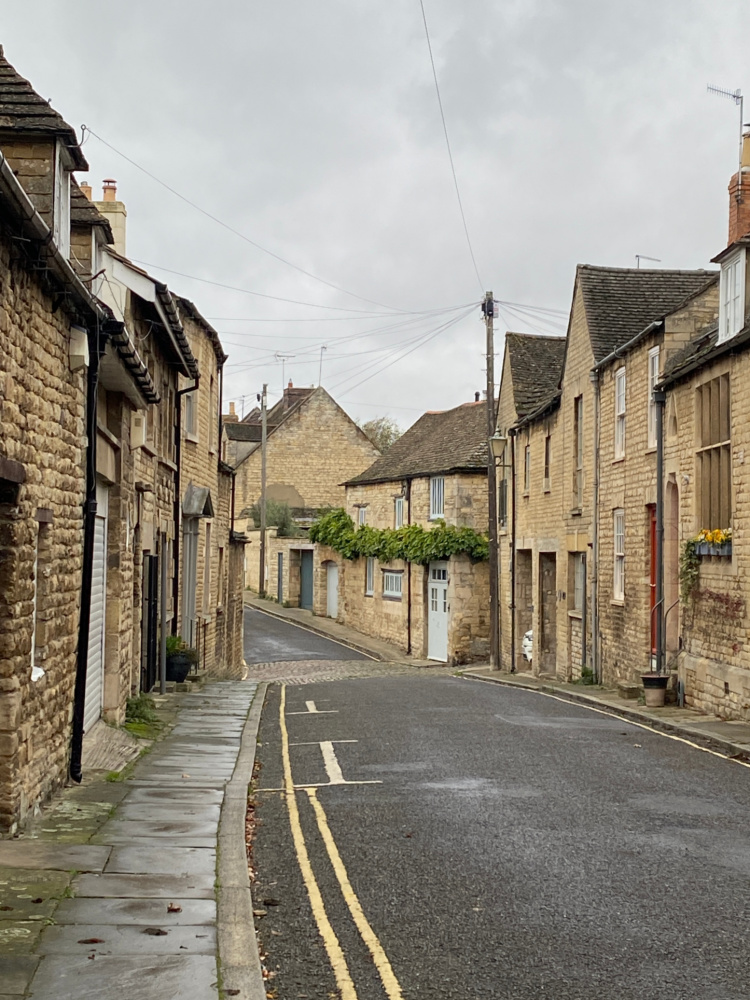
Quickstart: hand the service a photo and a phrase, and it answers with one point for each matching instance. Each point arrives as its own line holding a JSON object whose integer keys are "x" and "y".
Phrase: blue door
{"x": 306, "y": 580}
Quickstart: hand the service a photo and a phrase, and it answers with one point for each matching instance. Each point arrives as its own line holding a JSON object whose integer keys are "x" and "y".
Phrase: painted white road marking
{"x": 331, "y": 764}
{"x": 312, "y": 710}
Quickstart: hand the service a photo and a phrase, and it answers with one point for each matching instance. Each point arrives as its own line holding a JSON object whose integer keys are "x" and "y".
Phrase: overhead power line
{"x": 448, "y": 145}
{"x": 231, "y": 229}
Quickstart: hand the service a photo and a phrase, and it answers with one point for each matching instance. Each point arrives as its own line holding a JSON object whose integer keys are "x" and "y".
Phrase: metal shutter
{"x": 95, "y": 664}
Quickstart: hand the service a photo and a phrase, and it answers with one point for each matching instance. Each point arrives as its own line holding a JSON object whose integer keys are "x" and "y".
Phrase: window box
{"x": 707, "y": 549}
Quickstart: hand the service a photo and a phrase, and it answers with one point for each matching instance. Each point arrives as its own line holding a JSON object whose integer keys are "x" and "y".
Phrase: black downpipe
{"x": 408, "y": 573}
{"x": 660, "y": 398}
{"x": 97, "y": 342}
{"x": 177, "y": 509}
{"x": 512, "y": 434}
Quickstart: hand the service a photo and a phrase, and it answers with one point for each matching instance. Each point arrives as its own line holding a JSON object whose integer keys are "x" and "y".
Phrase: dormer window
{"x": 732, "y": 296}
{"x": 61, "y": 203}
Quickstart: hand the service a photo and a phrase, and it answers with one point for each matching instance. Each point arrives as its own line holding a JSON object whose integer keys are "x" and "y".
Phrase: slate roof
{"x": 191, "y": 310}
{"x": 438, "y": 443}
{"x": 242, "y": 432}
{"x": 23, "y": 111}
{"x": 290, "y": 402}
{"x": 536, "y": 365}
{"x": 85, "y": 213}
{"x": 621, "y": 302}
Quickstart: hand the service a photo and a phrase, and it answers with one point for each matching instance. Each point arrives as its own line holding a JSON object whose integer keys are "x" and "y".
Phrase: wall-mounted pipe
{"x": 177, "y": 509}
{"x": 512, "y": 435}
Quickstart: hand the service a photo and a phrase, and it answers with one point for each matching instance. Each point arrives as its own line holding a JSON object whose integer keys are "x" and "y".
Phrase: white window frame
{"x": 61, "y": 204}
{"x": 618, "y": 578}
{"x": 370, "y": 576}
{"x": 578, "y": 421}
{"x": 437, "y": 497}
{"x": 620, "y": 385}
{"x": 393, "y": 584}
{"x": 191, "y": 416}
{"x": 732, "y": 296}
{"x": 362, "y": 516}
{"x": 653, "y": 378}
{"x": 527, "y": 469}
{"x": 579, "y": 580}
{"x": 547, "y": 463}
{"x": 398, "y": 512}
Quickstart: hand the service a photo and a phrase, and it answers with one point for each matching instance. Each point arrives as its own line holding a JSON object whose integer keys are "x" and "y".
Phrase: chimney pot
{"x": 476, "y": 397}
{"x": 86, "y": 188}
{"x": 290, "y": 386}
{"x": 231, "y": 409}
{"x": 109, "y": 189}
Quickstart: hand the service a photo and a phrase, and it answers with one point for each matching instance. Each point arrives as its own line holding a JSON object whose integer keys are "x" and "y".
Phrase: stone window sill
{"x": 617, "y": 602}
{"x": 369, "y": 593}
{"x": 192, "y": 438}
{"x": 576, "y": 512}
{"x": 387, "y": 597}
{"x": 573, "y": 613}
{"x": 169, "y": 464}
{"x": 616, "y": 461}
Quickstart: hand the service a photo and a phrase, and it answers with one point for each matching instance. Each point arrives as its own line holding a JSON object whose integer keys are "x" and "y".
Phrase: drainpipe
{"x": 660, "y": 398}
{"x": 595, "y": 651}
{"x": 97, "y": 343}
{"x": 177, "y": 515}
{"x": 408, "y": 573}
{"x": 512, "y": 434}
{"x": 163, "y": 616}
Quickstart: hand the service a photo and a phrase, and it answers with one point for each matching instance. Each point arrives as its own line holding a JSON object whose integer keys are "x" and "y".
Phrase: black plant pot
{"x": 178, "y": 667}
{"x": 655, "y": 689}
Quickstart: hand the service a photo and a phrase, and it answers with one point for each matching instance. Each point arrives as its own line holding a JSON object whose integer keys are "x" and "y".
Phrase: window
{"x": 362, "y": 516}
{"x": 527, "y": 468}
{"x": 191, "y": 417}
{"x": 369, "y": 576}
{"x": 579, "y": 580}
{"x": 437, "y": 497}
{"x": 61, "y": 205}
{"x": 578, "y": 444}
{"x": 732, "y": 296}
{"x": 620, "y": 413}
{"x": 618, "y": 589}
{"x": 502, "y": 503}
{"x": 547, "y": 448}
{"x": 653, "y": 378}
{"x": 392, "y": 584}
{"x": 211, "y": 417}
{"x": 713, "y": 458}
{"x": 398, "y": 512}
{"x": 220, "y": 581}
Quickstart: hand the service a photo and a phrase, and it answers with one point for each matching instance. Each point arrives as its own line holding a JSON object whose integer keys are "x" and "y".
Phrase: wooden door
{"x": 548, "y": 613}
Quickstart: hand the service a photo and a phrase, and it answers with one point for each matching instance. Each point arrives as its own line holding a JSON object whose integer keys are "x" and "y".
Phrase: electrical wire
{"x": 231, "y": 229}
{"x": 448, "y": 145}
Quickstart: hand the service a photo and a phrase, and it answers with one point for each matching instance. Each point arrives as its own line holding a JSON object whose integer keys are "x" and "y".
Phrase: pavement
{"x": 453, "y": 839}
{"x": 138, "y": 885}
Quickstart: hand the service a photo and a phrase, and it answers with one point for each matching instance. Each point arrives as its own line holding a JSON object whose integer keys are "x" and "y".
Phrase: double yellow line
{"x": 331, "y": 942}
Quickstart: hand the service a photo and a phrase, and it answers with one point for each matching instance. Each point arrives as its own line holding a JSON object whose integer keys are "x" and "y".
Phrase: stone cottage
{"x": 436, "y": 472}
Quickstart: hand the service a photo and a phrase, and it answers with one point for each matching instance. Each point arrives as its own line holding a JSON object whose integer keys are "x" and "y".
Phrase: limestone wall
{"x": 42, "y": 419}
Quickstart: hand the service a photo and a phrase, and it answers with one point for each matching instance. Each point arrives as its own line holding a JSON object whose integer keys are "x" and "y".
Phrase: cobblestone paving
{"x": 314, "y": 671}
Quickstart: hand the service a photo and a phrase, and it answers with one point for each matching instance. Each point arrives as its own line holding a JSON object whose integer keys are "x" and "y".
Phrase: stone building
{"x": 313, "y": 447}
{"x": 706, "y": 447}
{"x": 437, "y": 471}
{"x": 582, "y": 504}
{"x": 49, "y": 324}
{"x": 210, "y": 578}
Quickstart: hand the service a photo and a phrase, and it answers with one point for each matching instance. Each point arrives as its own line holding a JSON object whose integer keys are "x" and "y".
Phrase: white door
{"x": 437, "y": 612}
{"x": 189, "y": 627}
{"x": 92, "y": 708}
{"x": 332, "y": 601}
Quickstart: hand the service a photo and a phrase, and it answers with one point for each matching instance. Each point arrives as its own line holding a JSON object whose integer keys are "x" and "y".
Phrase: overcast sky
{"x": 581, "y": 133}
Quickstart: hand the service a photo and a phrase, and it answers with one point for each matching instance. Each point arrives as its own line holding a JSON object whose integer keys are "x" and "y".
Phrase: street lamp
{"x": 497, "y": 443}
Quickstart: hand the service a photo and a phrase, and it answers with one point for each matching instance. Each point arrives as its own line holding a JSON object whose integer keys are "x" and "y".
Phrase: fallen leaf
{"x": 154, "y": 931}
{"x": 174, "y": 908}
{"x": 91, "y": 941}
{"x": 6, "y": 907}
{"x": 270, "y": 901}
{"x": 259, "y": 913}
{"x": 186, "y": 776}
{"x": 637, "y": 745}
{"x": 232, "y": 993}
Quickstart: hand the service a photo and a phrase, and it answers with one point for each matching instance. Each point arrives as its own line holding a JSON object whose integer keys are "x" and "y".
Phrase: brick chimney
{"x": 114, "y": 212}
{"x": 739, "y": 196}
{"x": 231, "y": 417}
{"x": 86, "y": 188}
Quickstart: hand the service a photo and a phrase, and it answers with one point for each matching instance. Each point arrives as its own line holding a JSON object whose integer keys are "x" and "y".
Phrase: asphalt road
{"x": 517, "y": 847}
{"x": 270, "y": 640}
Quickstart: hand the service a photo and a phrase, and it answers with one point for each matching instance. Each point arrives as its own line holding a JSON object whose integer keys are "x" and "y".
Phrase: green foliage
{"x": 176, "y": 646}
{"x": 382, "y": 431}
{"x": 690, "y": 568}
{"x": 279, "y": 516}
{"x": 141, "y": 709}
{"x": 412, "y": 543}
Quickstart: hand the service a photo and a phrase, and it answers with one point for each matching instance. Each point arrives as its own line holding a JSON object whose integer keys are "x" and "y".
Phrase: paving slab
{"x": 18, "y": 937}
{"x": 128, "y": 939}
{"x": 167, "y": 812}
{"x": 167, "y": 977}
{"x": 136, "y": 911}
{"x": 164, "y": 860}
{"x": 66, "y": 857}
{"x": 16, "y": 972}
{"x": 193, "y": 796}
{"x": 170, "y": 832}
{"x": 155, "y": 886}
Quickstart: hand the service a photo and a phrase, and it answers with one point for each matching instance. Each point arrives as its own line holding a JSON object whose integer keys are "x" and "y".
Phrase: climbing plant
{"x": 412, "y": 542}
{"x": 690, "y": 568}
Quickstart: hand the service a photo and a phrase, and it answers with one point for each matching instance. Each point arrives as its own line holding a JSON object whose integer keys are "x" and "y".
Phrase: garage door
{"x": 95, "y": 665}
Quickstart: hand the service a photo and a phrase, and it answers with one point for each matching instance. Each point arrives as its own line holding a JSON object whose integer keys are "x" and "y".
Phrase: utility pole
{"x": 323, "y": 347}
{"x": 488, "y": 309}
{"x": 263, "y": 435}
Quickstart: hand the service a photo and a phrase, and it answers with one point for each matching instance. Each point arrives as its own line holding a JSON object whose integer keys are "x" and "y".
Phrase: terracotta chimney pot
{"x": 109, "y": 189}
{"x": 739, "y": 208}
{"x": 86, "y": 188}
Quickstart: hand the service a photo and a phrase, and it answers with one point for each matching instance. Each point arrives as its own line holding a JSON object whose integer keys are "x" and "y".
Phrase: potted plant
{"x": 655, "y": 689}
{"x": 713, "y": 543}
{"x": 180, "y": 658}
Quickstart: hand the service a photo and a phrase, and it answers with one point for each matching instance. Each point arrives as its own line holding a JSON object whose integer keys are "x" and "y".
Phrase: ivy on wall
{"x": 412, "y": 542}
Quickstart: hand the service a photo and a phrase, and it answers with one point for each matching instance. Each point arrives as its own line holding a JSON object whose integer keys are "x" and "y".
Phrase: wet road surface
{"x": 516, "y": 846}
{"x": 270, "y": 640}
